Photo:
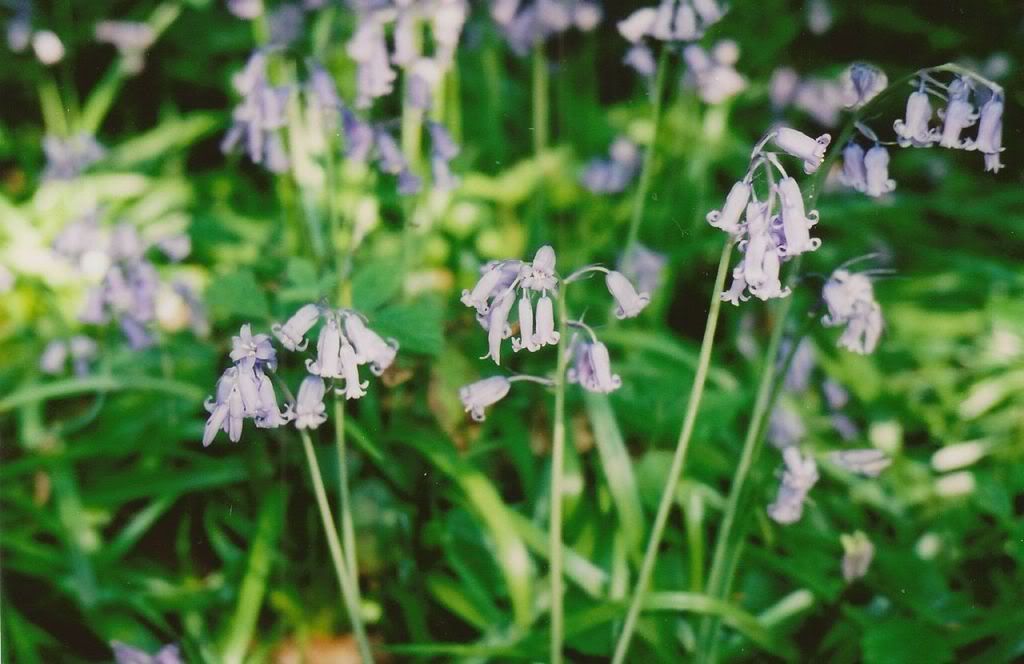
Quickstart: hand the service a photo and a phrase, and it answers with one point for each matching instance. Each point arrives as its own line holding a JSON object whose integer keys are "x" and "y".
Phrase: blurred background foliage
{"x": 116, "y": 524}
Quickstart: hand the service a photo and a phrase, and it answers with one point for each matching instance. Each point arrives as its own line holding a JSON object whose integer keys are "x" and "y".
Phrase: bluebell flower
{"x": 408, "y": 182}
{"x": 613, "y": 175}
{"x": 629, "y": 303}
{"x": 328, "y": 351}
{"x": 138, "y": 337}
{"x": 358, "y": 136}
{"x": 498, "y": 328}
{"x": 246, "y": 9}
{"x": 131, "y": 39}
{"x": 802, "y": 146}
{"x": 798, "y": 378}
{"x": 868, "y": 462}
{"x": 67, "y": 158}
{"x": 957, "y": 116}
{"x": 525, "y": 339}
{"x": 540, "y": 274}
{"x": 641, "y": 59}
{"x": 285, "y": 24}
{"x": 990, "y": 132}
{"x": 48, "y": 47}
{"x": 126, "y": 654}
{"x": 479, "y": 297}
{"x": 862, "y": 83}
{"x": 370, "y": 347}
{"x": 255, "y": 347}
{"x": 785, "y": 426}
{"x": 591, "y": 367}
{"x": 259, "y": 116}
{"x": 728, "y": 218}
{"x": 796, "y": 223}
{"x": 545, "y": 333}
{"x": 836, "y": 395}
{"x": 389, "y": 155}
{"x": 800, "y": 475}
{"x": 913, "y": 130}
{"x": 310, "y": 411}
{"x": 876, "y": 172}
{"x": 761, "y": 258}
{"x": 483, "y": 393}
{"x": 353, "y": 387}
{"x": 713, "y": 74}
{"x": 672, "y": 20}
{"x": 292, "y": 334}
{"x": 850, "y": 299}
{"x": 644, "y": 267}
{"x": 525, "y": 26}
{"x": 854, "y": 174}
{"x": 226, "y": 409}
{"x": 368, "y": 48}
{"x": 323, "y": 92}
{"x": 19, "y": 26}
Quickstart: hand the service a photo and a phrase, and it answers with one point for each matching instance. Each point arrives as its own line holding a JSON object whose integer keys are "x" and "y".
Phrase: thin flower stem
{"x": 348, "y": 531}
{"x": 645, "y": 170}
{"x": 541, "y": 116}
{"x": 557, "y": 470}
{"x": 720, "y": 578}
{"x": 678, "y": 460}
{"x": 348, "y": 592}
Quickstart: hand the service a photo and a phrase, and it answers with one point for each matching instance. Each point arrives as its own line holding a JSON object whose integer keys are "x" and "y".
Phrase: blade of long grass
{"x": 76, "y": 386}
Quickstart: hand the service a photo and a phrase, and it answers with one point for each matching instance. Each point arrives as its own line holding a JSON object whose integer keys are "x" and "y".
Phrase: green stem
{"x": 678, "y": 460}
{"x": 348, "y": 591}
{"x": 348, "y": 531}
{"x": 557, "y": 470}
{"x": 646, "y": 169}
{"x": 720, "y": 578}
{"x": 540, "y": 109}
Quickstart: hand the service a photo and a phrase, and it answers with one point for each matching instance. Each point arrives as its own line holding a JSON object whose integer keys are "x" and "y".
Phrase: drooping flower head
{"x": 862, "y": 83}
{"x": 850, "y": 299}
{"x": 800, "y": 475}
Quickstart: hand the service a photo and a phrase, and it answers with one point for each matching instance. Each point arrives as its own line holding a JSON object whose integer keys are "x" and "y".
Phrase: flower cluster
{"x": 129, "y": 286}
{"x": 767, "y": 239}
{"x": 245, "y": 390}
{"x": 800, "y": 475}
{"x": 612, "y": 175}
{"x": 525, "y": 26}
{"x": 850, "y": 299}
{"x": 493, "y": 298}
{"x": 259, "y": 117}
{"x": 69, "y": 157}
{"x": 713, "y": 73}
{"x": 368, "y": 47}
{"x": 821, "y": 98}
{"x": 670, "y": 21}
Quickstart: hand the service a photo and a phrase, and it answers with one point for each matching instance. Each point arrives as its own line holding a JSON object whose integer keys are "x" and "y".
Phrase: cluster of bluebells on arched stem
{"x": 969, "y": 100}
{"x": 493, "y": 298}
{"x": 246, "y": 390}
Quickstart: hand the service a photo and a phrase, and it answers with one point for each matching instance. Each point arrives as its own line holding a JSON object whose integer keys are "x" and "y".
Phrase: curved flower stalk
{"x": 538, "y": 285}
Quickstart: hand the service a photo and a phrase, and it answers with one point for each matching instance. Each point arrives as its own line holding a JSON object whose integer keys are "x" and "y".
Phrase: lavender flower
{"x": 854, "y": 174}
{"x": 802, "y": 146}
{"x": 629, "y": 302}
{"x": 19, "y": 27}
{"x": 641, "y": 59}
{"x": 728, "y": 218}
{"x": 611, "y": 176}
{"x": 126, "y": 654}
{"x": 851, "y": 302}
{"x": 353, "y": 387}
{"x": 328, "y": 352}
{"x": 545, "y": 334}
{"x": 374, "y": 76}
{"x": 358, "y": 136}
{"x": 525, "y": 339}
{"x": 835, "y": 394}
{"x": 796, "y": 223}
{"x": 913, "y": 130}
{"x": 785, "y": 426}
{"x": 800, "y": 476}
{"x": 713, "y": 74}
{"x": 498, "y": 328}
{"x": 644, "y": 267}
{"x": 876, "y": 169}
{"x": 67, "y": 158}
{"x": 867, "y": 462}
{"x": 483, "y": 393}
{"x": 370, "y": 348}
{"x": 592, "y": 368}
{"x": 246, "y": 9}
{"x": 862, "y": 83}
{"x": 254, "y": 349}
{"x": 259, "y": 116}
{"x": 759, "y": 271}
{"x": 292, "y": 334}
{"x": 131, "y": 39}
{"x": 285, "y": 24}
{"x": 540, "y": 274}
{"x": 957, "y": 116}
{"x": 990, "y": 132}
{"x": 310, "y": 411}
{"x": 525, "y": 26}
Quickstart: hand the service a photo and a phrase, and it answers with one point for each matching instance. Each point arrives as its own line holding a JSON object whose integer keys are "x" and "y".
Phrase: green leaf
{"x": 904, "y": 641}
{"x": 417, "y": 326}
{"x": 376, "y": 284}
{"x": 237, "y": 294}
{"x": 618, "y": 469}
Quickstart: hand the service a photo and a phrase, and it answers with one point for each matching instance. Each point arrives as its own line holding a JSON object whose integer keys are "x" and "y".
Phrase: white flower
{"x": 497, "y": 325}
{"x": 728, "y": 218}
{"x": 800, "y": 476}
{"x": 802, "y": 146}
{"x": 353, "y": 389}
{"x": 328, "y": 352}
{"x": 914, "y": 131}
{"x": 630, "y": 303}
{"x": 477, "y": 396}
{"x": 990, "y": 132}
{"x": 485, "y": 286}
{"x": 638, "y": 25}
{"x": 540, "y": 274}
{"x": 957, "y": 116}
{"x": 592, "y": 368}
{"x": 868, "y": 462}
{"x": 761, "y": 260}
{"x": 526, "y": 339}
{"x": 545, "y": 334}
{"x": 292, "y": 334}
{"x": 851, "y": 301}
{"x": 854, "y": 174}
{"x": 796, "y": 223}
{"x": 876, "y": 166}
{"x": 310, "y": 411}
{"x": 737, "y": 289}
{"x": 369, "y": 346}
{"x": 48, "y": 47}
